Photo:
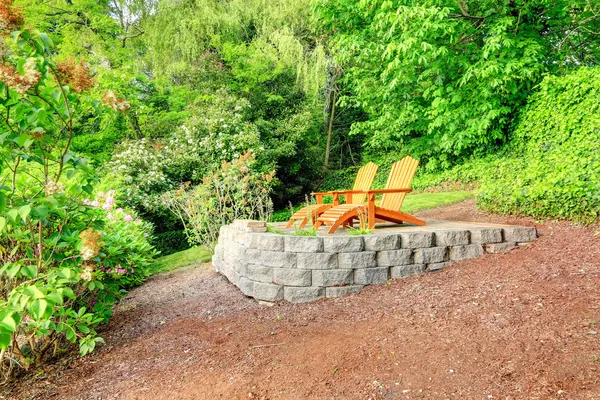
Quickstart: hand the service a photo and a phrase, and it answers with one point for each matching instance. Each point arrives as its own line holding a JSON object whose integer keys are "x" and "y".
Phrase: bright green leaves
{"x": 9, "y": 320}
{"x": 556, "y": 146}
{"x": 406, "y": 62}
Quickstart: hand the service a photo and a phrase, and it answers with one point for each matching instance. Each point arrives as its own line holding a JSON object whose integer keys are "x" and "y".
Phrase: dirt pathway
{"x": 522, "y": 325}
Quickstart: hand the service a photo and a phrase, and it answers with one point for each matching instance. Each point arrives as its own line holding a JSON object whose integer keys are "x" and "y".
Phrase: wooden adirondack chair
{"x": 364, "y": 180}
{"x": 397, "y": 186}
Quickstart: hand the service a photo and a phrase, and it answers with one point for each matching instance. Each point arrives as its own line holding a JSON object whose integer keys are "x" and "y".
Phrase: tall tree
{"x": 446, "y": 78}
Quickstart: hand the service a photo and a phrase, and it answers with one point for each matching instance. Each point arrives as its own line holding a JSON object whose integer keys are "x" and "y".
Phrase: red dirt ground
{"x": 522, "y": 325}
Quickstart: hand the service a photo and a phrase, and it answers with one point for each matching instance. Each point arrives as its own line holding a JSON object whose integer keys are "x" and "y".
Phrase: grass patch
{"x": 424, "y": 201}
{"x": 180, "y": 259}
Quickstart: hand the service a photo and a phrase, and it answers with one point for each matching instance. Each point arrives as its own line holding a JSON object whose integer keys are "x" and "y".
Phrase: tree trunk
{"x": 330, "y": 130}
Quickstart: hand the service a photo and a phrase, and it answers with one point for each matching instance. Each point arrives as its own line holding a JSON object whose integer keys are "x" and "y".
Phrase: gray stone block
{"x": 342, "y": 290}
{"x": 267, "y": 291}
{"x": 303, "y": 244}
{"x": 258, "y": 273}
{"x": 382, "y": 242}
{"x": 219, "y": 251}
{"x": 230, "y": 258}
{"x": 239, "y": 266}
{"x": 413, "y": 240}
{"x": 364, "y": 259}
{"x": 367, "y": 276}
{"x": 503, "y": 247}
{"x": 267, "y": 258}
{"x": 343, "y": 244}
{"x": 486, "y": 235}
{"x": 317, "y": 260}
{"x": 303, "y": 294}
{"x": 403, "y": 271}
{"x": 430, "y": 255}
{"x": 265, "y": 241}
{"x": 436, "y": 266}
{"x": 217, "y": 263}
{"x": 292, "y": 277}
{"x": 246, "y": 286}
{"x": 520, "y": 234}
{"x": 390, "y": 258}
{"x": 466, "y": 251}
{"x": 451, "y": 238}
{"x": 332, "y": 277}
{"x": 232, "y": 275}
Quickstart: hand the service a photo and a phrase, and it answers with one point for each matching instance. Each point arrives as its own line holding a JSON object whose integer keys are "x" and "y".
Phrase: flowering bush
{"x": 126, "y": 251}
{"x": 62, "y": 262}
{"x": 217, "y": 132}
{"x": 234, "y": 191}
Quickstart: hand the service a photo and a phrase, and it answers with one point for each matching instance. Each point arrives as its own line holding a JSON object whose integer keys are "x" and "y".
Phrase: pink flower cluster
{"x": 119, "y": 270}
{"x": 107, "y": 201}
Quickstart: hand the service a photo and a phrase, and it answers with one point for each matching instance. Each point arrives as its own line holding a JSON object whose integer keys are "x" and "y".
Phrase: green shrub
{"x": 234, "y": 191}
{"x": 554, "y": 167}
{"x": 63, "y": 261}
{"x": 170, "y": 242}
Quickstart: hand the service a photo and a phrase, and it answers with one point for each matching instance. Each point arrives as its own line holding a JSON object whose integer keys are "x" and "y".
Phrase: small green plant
{"x": 272, "y": 229}
{"x": 304, "y": 232}
{"x": 358, "y": 231}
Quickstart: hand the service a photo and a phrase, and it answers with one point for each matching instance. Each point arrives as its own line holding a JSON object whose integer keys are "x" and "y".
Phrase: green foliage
{"x": 441, "y": 80}
{"x": 234, "y": 191}
{"x": 170, "y": 242}
{"x": 54, "y": 249}
{"x": 554, "y": 167}
{"x": 358, "y": 231}
{"x": 304, "y": 231}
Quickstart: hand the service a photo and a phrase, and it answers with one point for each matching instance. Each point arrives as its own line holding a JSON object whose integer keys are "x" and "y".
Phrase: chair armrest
{"x": 322, "y": 193}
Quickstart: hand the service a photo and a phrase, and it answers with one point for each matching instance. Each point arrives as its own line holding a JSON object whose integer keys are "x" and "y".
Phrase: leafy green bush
{"x": 554, "y": 167}
{"x": 445, "y": 79}
{"x": 170, "y": 242}
{"x": 63, "y": 262}
{"x": 234, "y": 191}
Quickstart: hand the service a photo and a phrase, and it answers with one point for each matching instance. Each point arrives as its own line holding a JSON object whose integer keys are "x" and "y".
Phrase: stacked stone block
{"x": 272, "y": 267}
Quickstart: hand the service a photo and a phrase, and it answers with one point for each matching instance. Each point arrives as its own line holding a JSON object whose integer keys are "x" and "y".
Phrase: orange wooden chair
{"x": 397, "y": 186}
{"x": 364, "y": 180}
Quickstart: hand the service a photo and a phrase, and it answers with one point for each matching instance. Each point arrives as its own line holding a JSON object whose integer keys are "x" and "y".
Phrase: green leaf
{"x": 29, "y": 271}
{"x": 2, "y": 224}
{"x": 40, "y": 212}
{"x": 2, "y": 201}
{"x": 10, "y": 322}
{"x": 34, "y": 292}
{"x": 13, "y": 214}
{"x": 70, "y": 334}
{"x": 5, "y": 340}
{"x": 24, "y": 212}
{"x": 22, "y": 139}
{"x": 39, "y": 308}
{"x": 12, "y": 270}
{"x": 68, "y": 292}
{"x": 83, "y": 329}
{"x": 55, "y": 297}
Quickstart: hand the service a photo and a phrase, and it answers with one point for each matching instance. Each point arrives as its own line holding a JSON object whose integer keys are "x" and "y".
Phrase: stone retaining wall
{"x": 272, "y": 267}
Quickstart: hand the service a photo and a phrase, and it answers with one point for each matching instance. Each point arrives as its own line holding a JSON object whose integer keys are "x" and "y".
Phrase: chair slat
{"x": 400, "y": 176}
{"x": 364, "y": 180}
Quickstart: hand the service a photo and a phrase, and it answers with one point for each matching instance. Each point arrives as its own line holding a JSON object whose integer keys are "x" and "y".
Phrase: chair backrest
{"x": 401, "y": 177}
{"x": 364, "y": 180}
